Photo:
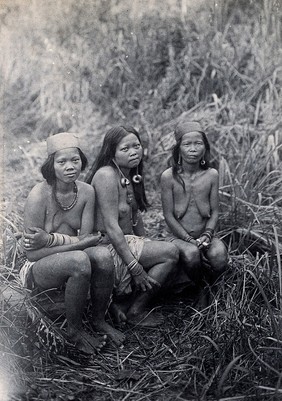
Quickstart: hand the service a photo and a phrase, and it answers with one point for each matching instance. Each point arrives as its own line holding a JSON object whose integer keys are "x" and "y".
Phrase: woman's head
{"x": 185, "y": 133}
{"x": 122, "y": 147}
{"x": 111, "y": 143}
{"x": 57, "y": 145}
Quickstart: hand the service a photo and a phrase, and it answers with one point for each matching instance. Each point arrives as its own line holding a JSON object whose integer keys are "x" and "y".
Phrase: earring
{"x": 202, "y": 162}
{"x": 137, "y": 178}
{"x": 179, "y": 164}
{"x": 123, "y": 181}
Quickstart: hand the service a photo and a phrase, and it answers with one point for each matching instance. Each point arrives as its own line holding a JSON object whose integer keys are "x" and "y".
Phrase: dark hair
{"x": 107, "y": 154}
{"x": 48, "y": 171}
{"x": 173, "y": 161}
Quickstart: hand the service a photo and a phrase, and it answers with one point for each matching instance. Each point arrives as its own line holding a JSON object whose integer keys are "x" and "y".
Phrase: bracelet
{"x": 136, "y": 270}
{"x": 56, "y": 239}
{"x": 187, "y": 238}
{"x": 132, "y": 264}
{"x": 209, "y": 233}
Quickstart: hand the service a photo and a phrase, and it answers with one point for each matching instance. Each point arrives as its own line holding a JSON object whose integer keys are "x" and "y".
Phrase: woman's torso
{"x": 192, "y": 207}
{"x": 58, "y": 220}
{"x": 127, "y": 205}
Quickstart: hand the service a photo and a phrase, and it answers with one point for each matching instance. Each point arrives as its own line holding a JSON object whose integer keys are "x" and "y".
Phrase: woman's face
{"x": 67, "y": 165}
{"x": 192, "y": 147}
{"x": 128, "y": 152}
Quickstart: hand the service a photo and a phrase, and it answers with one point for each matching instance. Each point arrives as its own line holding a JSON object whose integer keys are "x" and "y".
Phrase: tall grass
{"x": 85, "y": 66}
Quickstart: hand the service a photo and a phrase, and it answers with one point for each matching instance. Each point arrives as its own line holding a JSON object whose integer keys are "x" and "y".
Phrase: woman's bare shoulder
{"x": 213, "y": 173}
{"x": 167, "y": 174}
{"x": 40, "y": 191}
{"x": 86, "y": 188}
{"x": 104, "y": 173}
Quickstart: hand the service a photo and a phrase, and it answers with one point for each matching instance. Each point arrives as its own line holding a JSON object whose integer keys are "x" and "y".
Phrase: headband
{"x": 62, "y": 141}
{"x": 186, "y": 127}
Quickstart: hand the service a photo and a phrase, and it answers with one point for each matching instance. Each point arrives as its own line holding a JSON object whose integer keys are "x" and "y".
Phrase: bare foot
{"x": 146, "y": 319}
{"x": 115, "y": 335}
{"x": 118, "y": 314}
{"x": 87, "y": 343}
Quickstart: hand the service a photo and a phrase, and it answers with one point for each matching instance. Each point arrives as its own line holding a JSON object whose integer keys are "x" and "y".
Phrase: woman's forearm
{"x": 117, "y": 239}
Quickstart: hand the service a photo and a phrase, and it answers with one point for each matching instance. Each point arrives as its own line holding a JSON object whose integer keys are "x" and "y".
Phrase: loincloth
{"x": 122, "y": 282}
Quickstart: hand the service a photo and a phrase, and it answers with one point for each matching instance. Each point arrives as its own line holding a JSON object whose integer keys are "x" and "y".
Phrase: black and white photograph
{"x": 141, "y": 200}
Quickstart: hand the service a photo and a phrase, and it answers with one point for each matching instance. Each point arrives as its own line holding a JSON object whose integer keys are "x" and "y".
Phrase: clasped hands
{"x": 203, "y": 242}
{"x": 38, "y": 238}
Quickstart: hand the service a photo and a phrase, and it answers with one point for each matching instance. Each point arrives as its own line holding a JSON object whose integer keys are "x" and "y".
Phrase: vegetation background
{"x": 85, "y": 66}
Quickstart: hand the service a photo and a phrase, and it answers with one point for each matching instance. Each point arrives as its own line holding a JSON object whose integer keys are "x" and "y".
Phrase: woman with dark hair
{"x": 60, "y": 247}
{"x": 190, "y": 202}
{"x": 140, "y": 264}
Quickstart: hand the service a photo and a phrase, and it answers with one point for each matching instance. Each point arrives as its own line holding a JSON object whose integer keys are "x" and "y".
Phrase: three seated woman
{"x": 119, "y": 264}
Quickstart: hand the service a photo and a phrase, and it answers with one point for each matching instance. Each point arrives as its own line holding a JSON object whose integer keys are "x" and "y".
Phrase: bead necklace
{"x": 73, "y": 202}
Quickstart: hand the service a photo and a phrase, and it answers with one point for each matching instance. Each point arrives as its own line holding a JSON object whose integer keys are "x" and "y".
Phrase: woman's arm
{"x": 87, "y": 218}
{"x": 107, "y": 193}
{"x": 139, "y": 227}
{"x": 106, "y": 188}
{"x": 34, "y": 219}
{"x": 168, "y": 207}
{"x": 211, "y": 223}
{"x": 214, "y": 200}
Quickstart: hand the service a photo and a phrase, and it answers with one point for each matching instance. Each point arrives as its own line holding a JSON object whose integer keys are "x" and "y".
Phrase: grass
{"x": 83, "y": 67}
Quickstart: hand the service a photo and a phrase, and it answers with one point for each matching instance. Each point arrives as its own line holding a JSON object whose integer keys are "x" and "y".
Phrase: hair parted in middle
{"x": 107, "y": 154}
{"x": 176, "y": 156}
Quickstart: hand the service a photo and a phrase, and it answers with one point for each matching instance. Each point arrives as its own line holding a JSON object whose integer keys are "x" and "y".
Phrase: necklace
{"x": 73, "y": 202}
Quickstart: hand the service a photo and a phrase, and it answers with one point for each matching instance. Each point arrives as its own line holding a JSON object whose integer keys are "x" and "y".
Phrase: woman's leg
{"x": 102, "y": 283}
{"x": 218, "y": 257}
{"x": 190, "y": 258}
{"x": 158, "y": 258}
{"x": 74, "y": 270}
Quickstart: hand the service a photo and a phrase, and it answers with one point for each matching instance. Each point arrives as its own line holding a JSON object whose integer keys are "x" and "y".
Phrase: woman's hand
{"x": 144, "y": 281}
{"x": 37, "y": 239}
{"x": 90, "y": 240}
{"x": 203, "y": 242}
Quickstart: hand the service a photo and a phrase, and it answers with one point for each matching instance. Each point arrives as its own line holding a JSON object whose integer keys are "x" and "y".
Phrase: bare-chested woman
{"x": 59, "y": 243}
{"x": 191, "y": 203}
{"x": 140, "y": 264}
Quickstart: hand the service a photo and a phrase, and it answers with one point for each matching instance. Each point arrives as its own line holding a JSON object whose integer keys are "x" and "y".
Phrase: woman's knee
{"x": 218, "y": 258}
{"x": 100, "y": 257}
{"x": 171, "y": 252}
{"x": 80, "y": 264}
{"x": 192, "y": 256}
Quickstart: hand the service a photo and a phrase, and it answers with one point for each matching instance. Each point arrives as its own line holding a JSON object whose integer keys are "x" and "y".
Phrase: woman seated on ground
{"x": 60, "y": 247}
{"x": 141, "y": 265}
{"x": 190, "y": 202}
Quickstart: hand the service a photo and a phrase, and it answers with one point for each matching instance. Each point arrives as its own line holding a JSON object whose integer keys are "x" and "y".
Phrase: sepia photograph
{"x": 141, "y": 200}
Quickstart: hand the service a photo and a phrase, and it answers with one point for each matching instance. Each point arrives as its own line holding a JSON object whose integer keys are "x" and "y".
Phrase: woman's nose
{"x": 69, "y": 166}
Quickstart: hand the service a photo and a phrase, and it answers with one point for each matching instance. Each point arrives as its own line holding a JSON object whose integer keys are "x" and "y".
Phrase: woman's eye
{"x": 124, "y": 149}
